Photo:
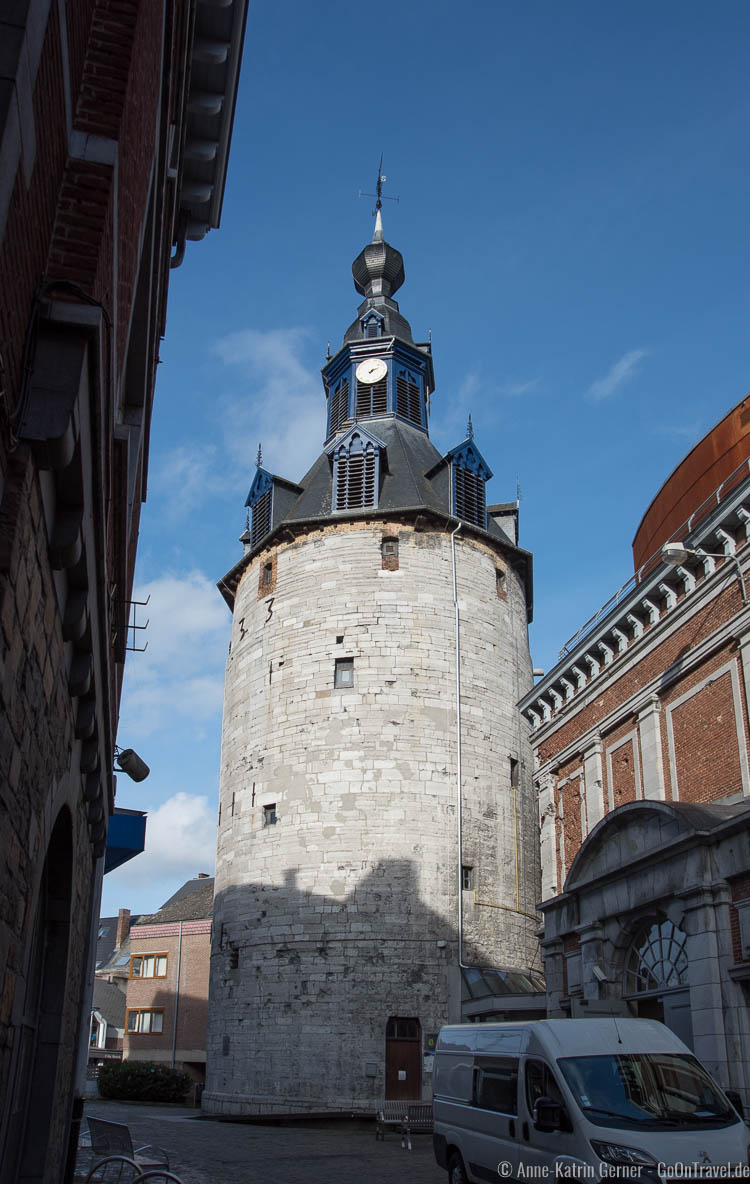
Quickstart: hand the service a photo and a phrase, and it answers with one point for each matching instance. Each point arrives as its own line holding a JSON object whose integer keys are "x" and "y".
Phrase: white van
{"x": 587, "y": 1099}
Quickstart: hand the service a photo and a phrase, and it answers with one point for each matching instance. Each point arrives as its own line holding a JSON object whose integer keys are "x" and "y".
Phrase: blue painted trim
{"x": 262, "y": 481}
{"x": 468, "y": 456}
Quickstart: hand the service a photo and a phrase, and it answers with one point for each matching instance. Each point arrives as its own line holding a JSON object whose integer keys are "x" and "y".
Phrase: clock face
{"x": 371, "y": 370}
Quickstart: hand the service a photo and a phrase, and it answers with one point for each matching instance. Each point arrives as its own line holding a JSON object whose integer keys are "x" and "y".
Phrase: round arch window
{"x": 656, "y": 960}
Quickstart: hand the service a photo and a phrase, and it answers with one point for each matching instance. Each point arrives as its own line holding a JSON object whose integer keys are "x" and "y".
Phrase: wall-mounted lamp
{"x": 675, "y": 554}
{"x": 128, "y": 761}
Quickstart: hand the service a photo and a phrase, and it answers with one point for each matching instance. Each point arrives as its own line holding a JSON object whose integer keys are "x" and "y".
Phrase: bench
{"x": 406, "y": 1116}
{"x": 113, "y": 1138}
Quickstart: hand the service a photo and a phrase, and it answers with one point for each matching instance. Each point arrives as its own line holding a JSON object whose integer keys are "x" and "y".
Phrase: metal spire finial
{"x": 378, "y": 194}
{"x": 470, "y": 429}
{"x": 259, "y": 457}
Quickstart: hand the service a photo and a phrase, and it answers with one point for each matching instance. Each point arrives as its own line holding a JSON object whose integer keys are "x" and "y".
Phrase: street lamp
{"x": 675, "y": 554}
{"x": 128, "y": 761}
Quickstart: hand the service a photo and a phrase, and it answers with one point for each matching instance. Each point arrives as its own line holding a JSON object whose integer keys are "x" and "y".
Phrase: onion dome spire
{"x": 378, "y": 273}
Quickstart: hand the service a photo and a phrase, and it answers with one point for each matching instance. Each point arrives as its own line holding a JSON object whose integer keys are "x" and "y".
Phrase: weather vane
{"x": 470, "y": 429}
{"x": 259, "y": 457}
{"x": 378, "y": 189}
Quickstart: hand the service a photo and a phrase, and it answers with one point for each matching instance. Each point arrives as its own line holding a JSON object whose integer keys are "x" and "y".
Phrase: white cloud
{"x": 180, "y": 842}
{"x": 623, "y": 370}
{"x": 514, "y": 390}
{"x": 283, "y": 407}
{"x": 181, "y": 674}
{"x": 186, "y": 474}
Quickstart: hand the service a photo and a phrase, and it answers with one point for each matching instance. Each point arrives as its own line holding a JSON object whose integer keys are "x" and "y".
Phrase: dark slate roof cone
{"x": 378, "y": 272}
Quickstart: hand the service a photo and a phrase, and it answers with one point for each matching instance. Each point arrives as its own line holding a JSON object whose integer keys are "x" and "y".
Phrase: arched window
{"x": 657, "y": 960}
{"x": 338, "y": 406}
{"x": 409, "y": 397}
{"x": 355, "y": 473}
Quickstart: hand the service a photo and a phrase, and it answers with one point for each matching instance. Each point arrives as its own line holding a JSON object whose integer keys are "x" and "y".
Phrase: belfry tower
{"x": 378, "y": 855}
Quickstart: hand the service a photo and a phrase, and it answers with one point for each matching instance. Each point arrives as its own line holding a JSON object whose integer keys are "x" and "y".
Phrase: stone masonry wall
{"x": 328, "y": 920}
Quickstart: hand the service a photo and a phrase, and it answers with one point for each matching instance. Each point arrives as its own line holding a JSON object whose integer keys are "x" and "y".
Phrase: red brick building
{"x": 641, "y": 742}
{"x": 167, "y": 986}
{"x": 115, "y": 123}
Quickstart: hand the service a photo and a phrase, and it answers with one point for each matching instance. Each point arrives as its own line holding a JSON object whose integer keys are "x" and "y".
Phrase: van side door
{"x": 539, "y": 1148}
{"x": 495, "y": 1118}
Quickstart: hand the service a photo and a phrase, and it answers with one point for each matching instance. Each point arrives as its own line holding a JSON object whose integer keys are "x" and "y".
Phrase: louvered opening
{"x": 372, "y": 398}
{"x": 408, "y": 398}
{"x": 261, "y": 517}
{"x": 356, "y": 479}
{"x": 339, "y": 406}
{"x": 469, "y": 489}
{"x": 373, "y": 328}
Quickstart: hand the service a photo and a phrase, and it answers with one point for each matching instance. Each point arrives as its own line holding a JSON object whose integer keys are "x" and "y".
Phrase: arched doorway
{"x": 656, "y": 977}
{"x": 39, "y": 1032}
{"x": 403, "y": 1060}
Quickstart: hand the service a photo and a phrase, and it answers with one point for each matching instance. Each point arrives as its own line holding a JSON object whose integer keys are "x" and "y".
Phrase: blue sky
{"x": 573, "y": 184}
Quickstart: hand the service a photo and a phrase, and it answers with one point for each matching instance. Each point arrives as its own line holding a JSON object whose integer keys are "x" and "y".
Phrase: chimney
{"x": 123, "y": 927}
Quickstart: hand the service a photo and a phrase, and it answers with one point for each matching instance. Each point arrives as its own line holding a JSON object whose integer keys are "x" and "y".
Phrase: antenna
{"x": 378, "y": 189}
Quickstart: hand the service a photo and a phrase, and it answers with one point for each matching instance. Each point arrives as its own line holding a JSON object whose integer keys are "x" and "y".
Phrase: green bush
{"x": 141, "y": 1081}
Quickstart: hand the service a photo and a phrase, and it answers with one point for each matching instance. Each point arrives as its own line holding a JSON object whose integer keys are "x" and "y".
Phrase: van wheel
{"x": 456, "y": 1171}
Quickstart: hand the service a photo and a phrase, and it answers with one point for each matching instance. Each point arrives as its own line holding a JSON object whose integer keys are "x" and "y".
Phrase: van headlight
{"x": 616, "y": 1153}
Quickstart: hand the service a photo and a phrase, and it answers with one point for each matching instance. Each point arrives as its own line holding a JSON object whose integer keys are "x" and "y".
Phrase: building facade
{"x": 166, "y": 996}
{"x": 377, "y": 850}
{"x": 640, "y": 734}
{"x": 115, "y": 121}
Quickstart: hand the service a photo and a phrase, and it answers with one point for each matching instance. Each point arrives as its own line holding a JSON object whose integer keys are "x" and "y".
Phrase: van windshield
{"x": 655, "y": 1090}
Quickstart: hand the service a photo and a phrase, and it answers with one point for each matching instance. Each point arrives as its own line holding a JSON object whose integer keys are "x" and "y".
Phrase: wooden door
{"x": 403, "y": 1060}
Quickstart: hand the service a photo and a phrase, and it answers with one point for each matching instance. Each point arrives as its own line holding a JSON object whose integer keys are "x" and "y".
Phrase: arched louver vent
{"x": 355, "y": 475}
{"x": 372, "y": 398}
{"x": 261, "y": 523}
{"x": 409, "y": 397}
{"x": 339, "y": 407}
{"x": 469, "y": 496}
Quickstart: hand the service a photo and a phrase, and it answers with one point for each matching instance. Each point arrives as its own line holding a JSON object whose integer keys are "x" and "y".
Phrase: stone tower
{"x": 373, "y": 839}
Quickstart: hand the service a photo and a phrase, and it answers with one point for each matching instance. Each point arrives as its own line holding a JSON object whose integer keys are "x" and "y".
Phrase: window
{"x": 148, "y": 966}
{"x": 338, "y": 408}
{"x": 500, "y": 582}
{"x": 339, "y": 639}
{"x": 496, "y": 1084}
{"x": 409, "y": 397}
{"x": 266, "y": 575}
{"x": 372, "y": 397}
{"x": 657, "y": 959}
{"x": 142, "y": 1020}
{"x": 343, "y": 675}
{"x": 389, "y": 554}
{"x": 467, "y": 877}
{"x": 233, "y": 958}
{"x": 269, "y": 815}
{"x": 402, "y": 1029}
{"x": 513, "y": 773}
{"x": 541, "y": 1083}
{"x": 372, "y": 324}
{"x": 468, "y": 496}
{"x": 355, "y": 474}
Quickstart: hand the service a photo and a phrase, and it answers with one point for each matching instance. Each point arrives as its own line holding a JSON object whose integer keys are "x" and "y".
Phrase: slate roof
{"x": 105, "y": 942}
{"x": 194, "y": 901}
{"x": 109, "y": 1001}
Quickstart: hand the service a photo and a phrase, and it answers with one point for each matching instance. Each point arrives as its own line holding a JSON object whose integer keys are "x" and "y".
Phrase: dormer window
{"x": 469, "y": 498}
{"x": 338, "y": 406}
{"x": 469, "y": 474}
{"x": 409, "y": 397}
{"x": 260, "y": 502}
{"x": 372, "y": 324}
{"x": 356, "y": 470}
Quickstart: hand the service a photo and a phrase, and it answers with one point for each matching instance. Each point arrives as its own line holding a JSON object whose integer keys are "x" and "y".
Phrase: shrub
{"x": 141, "y": 1081}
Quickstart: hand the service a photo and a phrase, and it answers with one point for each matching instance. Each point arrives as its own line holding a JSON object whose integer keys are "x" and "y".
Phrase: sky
{"x": 572, "y": 183}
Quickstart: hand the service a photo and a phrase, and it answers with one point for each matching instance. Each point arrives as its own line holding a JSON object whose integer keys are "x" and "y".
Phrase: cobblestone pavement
{"x": 204, "y": 1151}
